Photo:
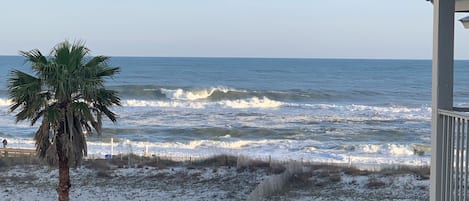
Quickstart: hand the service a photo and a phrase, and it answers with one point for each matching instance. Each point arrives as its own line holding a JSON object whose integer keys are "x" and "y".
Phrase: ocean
{"x": 353, "y": 111}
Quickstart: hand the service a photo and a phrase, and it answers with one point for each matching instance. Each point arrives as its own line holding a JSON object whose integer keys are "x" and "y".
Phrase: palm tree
{"x": 67, "y": 95}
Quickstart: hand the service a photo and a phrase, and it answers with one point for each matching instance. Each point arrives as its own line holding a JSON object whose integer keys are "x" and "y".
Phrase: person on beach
{"x": 5, "y": 143}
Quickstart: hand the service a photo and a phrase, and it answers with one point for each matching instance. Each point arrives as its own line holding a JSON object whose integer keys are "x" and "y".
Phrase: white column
{"x": 442, "y": 88}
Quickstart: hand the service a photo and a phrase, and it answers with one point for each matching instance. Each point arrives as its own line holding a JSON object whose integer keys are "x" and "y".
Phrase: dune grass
{"x": 280, "y": 177}
{"x": 20, "y": 160}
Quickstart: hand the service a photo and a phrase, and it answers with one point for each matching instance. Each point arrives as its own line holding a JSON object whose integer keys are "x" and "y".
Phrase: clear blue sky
{"x": 227, "y": 28}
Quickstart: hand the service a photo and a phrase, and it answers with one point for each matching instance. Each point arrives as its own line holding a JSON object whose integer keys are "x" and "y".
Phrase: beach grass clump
{"x": 421, "y": 172}
{"x": 3, "y": 163}
{"x": 375, "y": 183}
{"x": 276, "y": 183}
{"x": 158, "y": 162}
{"x": 101, "y": 166}
{"x": 246, "y": 163}
{"x": 21, "y": 179}
{"x": 20, "y": 160}
{"x": 353, "y": 171}
{"x": 272, "y": 185}
{"x": 133, "y": 160}
{"x": 277, "y": 168}
{"x": 315, "y": 175}
{"x": 98, "y": 164}
{"x": 104, "y": 174}
{"x": 217, "y": 161}
{"x": 312, "y": 177}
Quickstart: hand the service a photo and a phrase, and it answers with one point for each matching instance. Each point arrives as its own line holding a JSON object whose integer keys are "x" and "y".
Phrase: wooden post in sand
{"x": 146, "y": 150}
{"x": 112, "y": 147}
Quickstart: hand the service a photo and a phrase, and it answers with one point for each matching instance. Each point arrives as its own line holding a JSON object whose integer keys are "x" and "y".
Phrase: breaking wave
{"x": 254, "y": 102}
{"x": 390, "y": 149}
{"x": 219, "y": 93}
{"x": 181, "y": 94}
{"x": 5, "y": 102}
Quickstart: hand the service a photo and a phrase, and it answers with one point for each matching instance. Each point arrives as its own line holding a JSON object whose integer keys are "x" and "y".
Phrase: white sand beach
{"x": 107, "y": 180}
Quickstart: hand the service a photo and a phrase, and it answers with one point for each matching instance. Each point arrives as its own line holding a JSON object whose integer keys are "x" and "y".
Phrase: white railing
{"x": 455, "y": 157}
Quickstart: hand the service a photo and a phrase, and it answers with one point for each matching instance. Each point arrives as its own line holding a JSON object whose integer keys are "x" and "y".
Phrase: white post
{"x": 442, "y": 90}
{"x": 112, "y": 147}
{"x": 146, "y": 149}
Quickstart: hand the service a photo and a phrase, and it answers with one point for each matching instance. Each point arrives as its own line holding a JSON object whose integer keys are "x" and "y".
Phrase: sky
{"x": 399, "y": 29}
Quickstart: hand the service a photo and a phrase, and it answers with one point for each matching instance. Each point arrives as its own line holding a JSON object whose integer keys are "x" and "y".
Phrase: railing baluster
{"x": 451, "y": 159}
{"x": 460, "y": 157}
{"x": 455, "y": 155}
{"x": 463, "y": 159}
{"x": 466, "y": 173}
{"x": 444, "y": 157}
{"x": 459, "y": 161}
{"x": 447, "y": 161}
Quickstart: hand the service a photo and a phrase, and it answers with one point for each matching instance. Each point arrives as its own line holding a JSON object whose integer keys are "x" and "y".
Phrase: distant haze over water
{"x": 329, "y": 110}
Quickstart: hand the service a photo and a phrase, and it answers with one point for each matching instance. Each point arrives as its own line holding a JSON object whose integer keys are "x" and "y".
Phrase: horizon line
{"x": 254, "y": 57}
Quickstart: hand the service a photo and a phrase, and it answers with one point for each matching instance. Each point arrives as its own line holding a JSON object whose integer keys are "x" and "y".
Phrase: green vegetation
{"x": 6, "y": 162}
{"x": 66, "y": 94}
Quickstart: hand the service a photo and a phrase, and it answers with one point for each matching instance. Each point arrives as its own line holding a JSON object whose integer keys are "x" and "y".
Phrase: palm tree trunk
{"x": 64, "y": 173}
{"x": 64, "y": 180}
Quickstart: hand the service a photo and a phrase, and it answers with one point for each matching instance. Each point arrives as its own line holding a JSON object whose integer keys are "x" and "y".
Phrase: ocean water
{"x": 325, "y": 110}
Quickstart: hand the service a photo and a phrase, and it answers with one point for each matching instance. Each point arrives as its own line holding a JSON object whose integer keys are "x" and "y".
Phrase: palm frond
{"x": 35, "y": 57}
{"x": 51, "y": 156}
{"x": 82, "y": 111}
{"x": 107, "y": 97}
{"x": 22, "y": 86}
{"x": 42, "y": 138}
{"x": 108, "y": 71}
{"x": 68, "y": 94}
{"x": 97, "y": 61}
{"x": 109, "y": 114}
{"x": 25, "y": 93}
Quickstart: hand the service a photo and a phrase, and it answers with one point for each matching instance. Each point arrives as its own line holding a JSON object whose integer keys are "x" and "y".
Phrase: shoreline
{"x": 365, "y": 154}
{"x": 217, "y": 178}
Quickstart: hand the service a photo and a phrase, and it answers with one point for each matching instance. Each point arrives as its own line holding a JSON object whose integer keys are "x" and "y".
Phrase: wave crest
{"x": 392, "y": 149}
{"x": 5, "y": 102}
{"x": 218, "y": 93}
{"x": 164, "y": 104}
{"x": 181, "y": 94}
{"x": 254, "y": 102}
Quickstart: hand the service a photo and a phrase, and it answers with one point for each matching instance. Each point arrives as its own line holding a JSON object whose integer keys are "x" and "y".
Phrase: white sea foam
{"x": 322, "y": 112}
{"x": 163, "y": 104}
{"x": 352, "y": 112}
{"x": 370, "y": 148}
{"x": 181, "y": 94}
{"x": 397, "y": 149}
{"x": 266, "y": 113}
{"x": 254, "y": 102}
{"x": 305, "y": 150}
{"x": 5, "y": 102}
{"x": 387, "y": 149}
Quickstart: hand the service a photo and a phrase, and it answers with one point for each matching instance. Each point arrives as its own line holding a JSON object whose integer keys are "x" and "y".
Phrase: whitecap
{"x": 254, "y": 102}
{"x": 181, "y": 94}
{"x": 5, "y": 102}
